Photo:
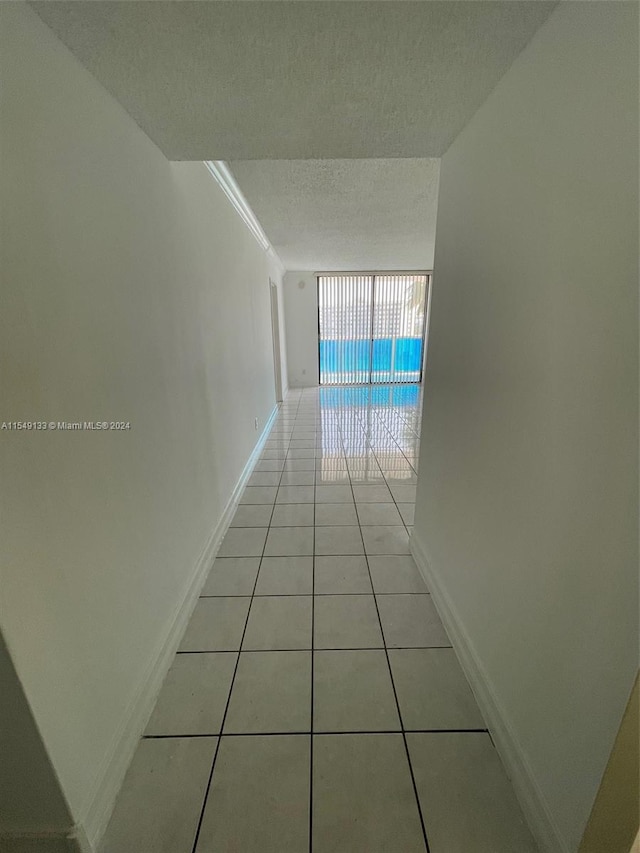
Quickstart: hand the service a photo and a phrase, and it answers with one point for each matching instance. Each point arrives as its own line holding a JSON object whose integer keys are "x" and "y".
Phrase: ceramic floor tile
{"x": 216, "y": 625}
{"x": 259, "y": 495}
{"x": 279, "y": 622}
{"x": 395, "y": 464}
{"x": 338, "y": 541}
{"x": 243, "y": 542}
{"x": 371, "y": 494}
{"x": 273, "y": 453}
{"x": 194, "y": 695}
{"x": 433, "y": 692}
{"x": 328, "y": 476}
{"x": 362, "y": 460}
{"x": 264, "y": 478}
{"x": 269, "y": 465}
{"x": 259, "y": 797}
{"x": 276, "y": 443}
{"x": 301, "y": 453}
{"x": 295, "y": 495}
{"x": 323, "y": 452}
{"x": 395, "y": 478}
{"x": 271, "y": 693}
{"x": 363, "y": 797}
{"x": 289, "y": 542}
{"x": 337, "y": 467}
{"x": 232, "y": 576}
{"x": 285, "y": 576}
{"x": 325, "y": 445}
{"x": 300, "y": 465}
{"x": 466, "y": 797}
{"x": 352, "y": 692}
{"x": 298, "y": 478}
{"x": 407, "y": 511}
{"x": 411, "y": 621}
{"x": 341, "y": 575}
{"x": 371, "y": 514}
{"x": 346, "y": 622}
{"x": 366, "y": 478}
{"x": 403, "y": 494}
{"x": 158, "y": 807}
{"x": 395, "y": 574}
{"x": 336, "y": 515}
{"x": 385, "y": 540}
{"x": 251, "y": 515}
{"x": 293, "y": 515}
{"x": 333, "y": 494}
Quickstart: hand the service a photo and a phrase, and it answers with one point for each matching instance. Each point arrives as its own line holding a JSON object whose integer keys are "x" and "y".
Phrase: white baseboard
{"x": 99, "y": 804}
{"x": 41, "y": 842}
{"x": 532, "y": 801}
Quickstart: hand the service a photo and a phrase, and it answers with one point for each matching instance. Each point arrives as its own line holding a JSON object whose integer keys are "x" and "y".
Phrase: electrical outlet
{"x": 256, "y": 423}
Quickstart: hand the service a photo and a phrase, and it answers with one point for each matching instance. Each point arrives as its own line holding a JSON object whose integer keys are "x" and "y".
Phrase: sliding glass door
{"x": 371, "y": 328}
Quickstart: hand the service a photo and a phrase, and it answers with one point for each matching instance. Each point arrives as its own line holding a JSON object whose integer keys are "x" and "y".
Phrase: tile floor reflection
{"x": 315, "y": 703}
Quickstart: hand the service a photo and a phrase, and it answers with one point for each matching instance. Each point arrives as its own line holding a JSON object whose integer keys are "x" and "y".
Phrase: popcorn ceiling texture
{"x": 351, "y": 87}
{"x": 345, "y": 214}
{"x": 289, "y": 80}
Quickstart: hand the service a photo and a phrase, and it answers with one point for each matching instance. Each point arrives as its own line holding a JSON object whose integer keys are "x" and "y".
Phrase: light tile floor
{"x": 315, "y": 703}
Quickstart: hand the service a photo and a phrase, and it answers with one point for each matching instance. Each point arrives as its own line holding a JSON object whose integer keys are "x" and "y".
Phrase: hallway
{"x": 315, "y": 585}
{"x": 191, "y": 193}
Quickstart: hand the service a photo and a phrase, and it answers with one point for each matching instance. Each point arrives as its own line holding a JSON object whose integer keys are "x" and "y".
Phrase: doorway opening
{"x": 371, "y": 327}
{"x": 275, "y": 337}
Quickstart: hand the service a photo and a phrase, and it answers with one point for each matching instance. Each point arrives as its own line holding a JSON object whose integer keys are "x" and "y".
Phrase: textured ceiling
{"x": 297, "y": 80}
{"x": 345, "y": 214}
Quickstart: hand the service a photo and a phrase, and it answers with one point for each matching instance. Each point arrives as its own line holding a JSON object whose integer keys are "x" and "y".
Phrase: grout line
{"x": 395, "y": 502}
{"x": 308, "y": 649}
{"x": 268, "y": 733}
{"x": 395, "y": 694}
{"x": 343, "y": 428}
{"x": 320, "y": 594}
{"x": 313, "y": 616}
{"x": 226, "y": 707}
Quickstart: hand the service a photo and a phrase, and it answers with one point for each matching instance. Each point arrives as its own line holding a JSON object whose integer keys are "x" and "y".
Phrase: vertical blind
{"x": 371, "y": 328}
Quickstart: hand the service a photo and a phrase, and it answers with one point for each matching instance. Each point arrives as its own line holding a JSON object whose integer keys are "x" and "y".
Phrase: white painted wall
{"x": 131, "y": 291}
{"x": 301, "y": 323}
{"x": 527, "y": 503}
{"x": 29, "y": 793}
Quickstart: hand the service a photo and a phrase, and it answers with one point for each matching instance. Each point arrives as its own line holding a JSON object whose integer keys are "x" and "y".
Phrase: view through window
{"x": 371, "y": 328}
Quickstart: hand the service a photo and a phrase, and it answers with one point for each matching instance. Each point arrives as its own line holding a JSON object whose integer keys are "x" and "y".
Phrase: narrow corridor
{"x": 315, "y": 702}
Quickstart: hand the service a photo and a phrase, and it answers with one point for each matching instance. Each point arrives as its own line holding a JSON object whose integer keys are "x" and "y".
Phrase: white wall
{"x": 527, "y": 505}
{"x": 133, "y": 292}
{"x": 30, "y": 795}
{"x": 301, "y": 321}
